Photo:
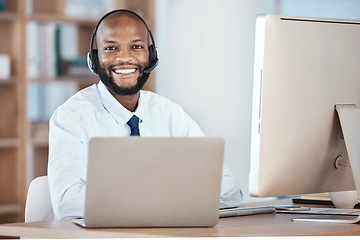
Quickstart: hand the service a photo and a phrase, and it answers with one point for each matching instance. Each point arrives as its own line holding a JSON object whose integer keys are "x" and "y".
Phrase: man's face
{"x": 122, "y": 43}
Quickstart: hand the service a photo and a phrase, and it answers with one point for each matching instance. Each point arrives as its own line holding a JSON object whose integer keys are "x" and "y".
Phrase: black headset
{"x": 92, "y": 56}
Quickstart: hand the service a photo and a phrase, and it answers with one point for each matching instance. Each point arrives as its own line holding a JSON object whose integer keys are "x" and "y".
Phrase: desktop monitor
{"x": 303, "y": 68}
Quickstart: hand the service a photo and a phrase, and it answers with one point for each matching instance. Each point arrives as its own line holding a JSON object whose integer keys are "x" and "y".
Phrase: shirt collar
{"x": 120, "y": 113}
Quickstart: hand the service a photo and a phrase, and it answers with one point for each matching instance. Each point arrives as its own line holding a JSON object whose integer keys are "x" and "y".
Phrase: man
{"x": 123, "y": 60}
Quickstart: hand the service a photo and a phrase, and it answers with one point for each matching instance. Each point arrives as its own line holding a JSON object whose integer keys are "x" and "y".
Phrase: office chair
{"x": 38, "y": 204}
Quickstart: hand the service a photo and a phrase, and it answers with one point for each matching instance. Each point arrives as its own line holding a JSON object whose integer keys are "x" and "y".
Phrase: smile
{"x": 124, "y": 71}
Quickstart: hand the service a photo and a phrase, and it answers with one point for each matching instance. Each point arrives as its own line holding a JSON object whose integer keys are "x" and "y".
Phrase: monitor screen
{"x": 303, "y": 67}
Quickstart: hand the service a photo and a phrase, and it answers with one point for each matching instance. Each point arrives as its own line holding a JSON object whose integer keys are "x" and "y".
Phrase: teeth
{"x": 125, "y": 71}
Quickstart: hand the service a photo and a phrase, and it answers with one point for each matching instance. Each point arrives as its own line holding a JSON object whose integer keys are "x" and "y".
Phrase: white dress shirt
{"x": 92, "y": 112}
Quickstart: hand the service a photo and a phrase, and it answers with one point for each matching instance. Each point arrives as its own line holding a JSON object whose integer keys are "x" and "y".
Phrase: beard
{"x": 109, "y": 82}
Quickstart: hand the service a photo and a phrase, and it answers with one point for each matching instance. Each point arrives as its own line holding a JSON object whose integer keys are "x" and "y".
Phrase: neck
{"x": 130, "y": 102}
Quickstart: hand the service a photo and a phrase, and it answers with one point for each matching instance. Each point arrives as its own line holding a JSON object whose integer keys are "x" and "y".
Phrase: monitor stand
{"x": 349, "y": 116}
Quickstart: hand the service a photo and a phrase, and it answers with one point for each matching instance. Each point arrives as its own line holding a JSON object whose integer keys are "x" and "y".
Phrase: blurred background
{"x": 206, "y": 52}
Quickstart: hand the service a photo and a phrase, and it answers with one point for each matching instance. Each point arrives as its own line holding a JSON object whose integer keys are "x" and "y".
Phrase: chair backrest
{"x": 38, "y": 204}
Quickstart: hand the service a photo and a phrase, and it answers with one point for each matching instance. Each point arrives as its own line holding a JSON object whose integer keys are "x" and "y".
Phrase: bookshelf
{"x": 13, "y": 114}
{"x": 30, "y": 35}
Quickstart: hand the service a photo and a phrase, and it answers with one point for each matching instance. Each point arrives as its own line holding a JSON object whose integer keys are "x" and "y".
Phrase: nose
{"x": 123, "y": 55}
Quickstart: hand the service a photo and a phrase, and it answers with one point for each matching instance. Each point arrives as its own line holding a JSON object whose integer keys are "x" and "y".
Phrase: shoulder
{"x": 171, "y": 114}
{"x": 154, "y": 100}
{"x": 84, "y": 101}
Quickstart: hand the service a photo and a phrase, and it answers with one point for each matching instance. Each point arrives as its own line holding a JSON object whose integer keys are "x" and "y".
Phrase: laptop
{"x": 153, "y": 182}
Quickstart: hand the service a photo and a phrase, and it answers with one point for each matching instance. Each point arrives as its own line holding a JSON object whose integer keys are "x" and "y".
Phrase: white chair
{"x": 38, "y": 204}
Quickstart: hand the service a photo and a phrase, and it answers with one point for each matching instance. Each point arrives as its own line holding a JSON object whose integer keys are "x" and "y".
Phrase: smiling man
{"x": 123, "y": 53}
{"x": 123, "y": 56}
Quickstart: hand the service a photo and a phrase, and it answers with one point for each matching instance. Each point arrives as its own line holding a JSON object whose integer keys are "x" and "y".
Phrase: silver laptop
{"x": 153, "y": 182}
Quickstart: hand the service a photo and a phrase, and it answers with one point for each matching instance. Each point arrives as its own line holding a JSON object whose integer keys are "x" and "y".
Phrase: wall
{"x": 206, "y": 65}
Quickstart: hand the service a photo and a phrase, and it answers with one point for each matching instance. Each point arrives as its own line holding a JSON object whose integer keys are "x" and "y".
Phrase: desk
{"x": 245, "y": 226}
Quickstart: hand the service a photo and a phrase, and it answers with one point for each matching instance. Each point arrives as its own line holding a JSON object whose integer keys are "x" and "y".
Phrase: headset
{"x": 92, "y": 56}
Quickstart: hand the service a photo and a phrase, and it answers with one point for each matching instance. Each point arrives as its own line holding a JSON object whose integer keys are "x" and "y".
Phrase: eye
{"x": 138, "y": 47}
{"x": 109, "y": 48}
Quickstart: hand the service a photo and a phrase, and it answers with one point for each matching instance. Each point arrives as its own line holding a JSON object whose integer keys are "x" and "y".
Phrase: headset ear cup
{"x": 152, "y": 53}
{"x": 95, "y": 61}
{"x": 89, "y": 62}
{"x": 153, "y": 59}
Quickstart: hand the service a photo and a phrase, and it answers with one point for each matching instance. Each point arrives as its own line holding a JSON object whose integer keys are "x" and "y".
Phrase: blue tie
{"x": 134, "y": 126}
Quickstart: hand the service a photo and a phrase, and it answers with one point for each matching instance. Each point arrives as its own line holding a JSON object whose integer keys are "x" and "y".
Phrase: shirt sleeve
{"x": 231, "y": 193}
{"x": 67, "y": 164}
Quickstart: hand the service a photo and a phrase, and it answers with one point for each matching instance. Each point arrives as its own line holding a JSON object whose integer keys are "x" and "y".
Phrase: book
{"x": 2, "y": 5}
